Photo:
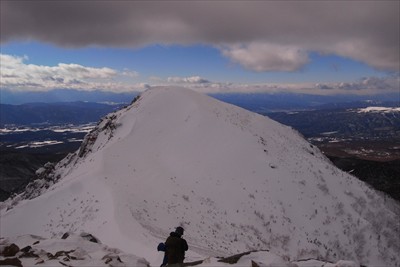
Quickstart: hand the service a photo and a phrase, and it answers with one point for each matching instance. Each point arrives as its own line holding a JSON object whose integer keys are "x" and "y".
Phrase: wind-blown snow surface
{"x": 235, "y": 180}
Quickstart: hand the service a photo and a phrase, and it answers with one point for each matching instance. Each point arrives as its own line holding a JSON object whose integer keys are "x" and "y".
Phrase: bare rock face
{"x": 10, "y": 250}
{"x": 11, "y": 262}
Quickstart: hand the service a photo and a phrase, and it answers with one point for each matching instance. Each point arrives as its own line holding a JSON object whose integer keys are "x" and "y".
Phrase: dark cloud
{"x": 367, "y": 31}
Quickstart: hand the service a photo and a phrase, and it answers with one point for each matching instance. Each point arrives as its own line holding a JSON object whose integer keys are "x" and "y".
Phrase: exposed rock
{"x": 10, "y": 251}
{"x": 235, "y": 258}
{"x": 39, "y": 261}
{"x": 63, "y": 253}
{"x": 11, "y": 262}
{"x": 26, "y": 249}
{"x": 193, "y": 263}
{"x": 27, "y": 252}
{"x": 90, "y": 238}
{"x": 109, "y": 258}
{"x": 65, "y": 236}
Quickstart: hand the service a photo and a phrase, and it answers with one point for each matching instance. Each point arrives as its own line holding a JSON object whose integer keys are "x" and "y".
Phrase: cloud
{"x": 366, "y": 31}
{"x": 130, "y": 73}
{"x": 190, "y": 80}
{"x": 16, "y": 74}
{"x": 389, "y": 83}
{"x": 365, "y": 86}
{"x": 263, "y": 57}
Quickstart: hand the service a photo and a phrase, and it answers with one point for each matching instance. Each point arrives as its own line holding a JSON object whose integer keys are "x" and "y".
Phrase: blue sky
{"x": 175, "y": 43}
{"x": 195, "y": 60}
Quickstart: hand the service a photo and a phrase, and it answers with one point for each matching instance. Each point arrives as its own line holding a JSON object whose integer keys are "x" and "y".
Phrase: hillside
{"x": 235, "y": 180}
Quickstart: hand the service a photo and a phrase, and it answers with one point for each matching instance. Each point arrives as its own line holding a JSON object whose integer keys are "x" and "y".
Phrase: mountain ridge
{"x": 234, "y": 179}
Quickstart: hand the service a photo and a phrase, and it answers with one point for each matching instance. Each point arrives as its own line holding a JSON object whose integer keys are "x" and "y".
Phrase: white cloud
{"x": 130, "y": 73}
{"x": 365, "y": 86}
{"x": 18, "y": 75}
{"x": 262, "y": 57}
{"x": 190, "y": 80}
{"x": 389, "y": 83}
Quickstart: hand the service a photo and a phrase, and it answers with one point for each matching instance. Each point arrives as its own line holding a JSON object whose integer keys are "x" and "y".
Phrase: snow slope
{"x": 235, "y": 180}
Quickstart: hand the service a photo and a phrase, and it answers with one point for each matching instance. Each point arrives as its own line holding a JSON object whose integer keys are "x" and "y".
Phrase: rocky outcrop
{"x": 71, "y": 250}
{"x": 10, "y": 250}
{"x": 11, "y": 262}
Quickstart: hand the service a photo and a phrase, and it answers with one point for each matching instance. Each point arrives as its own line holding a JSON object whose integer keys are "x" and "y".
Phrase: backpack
{"x": 161, "y": 247}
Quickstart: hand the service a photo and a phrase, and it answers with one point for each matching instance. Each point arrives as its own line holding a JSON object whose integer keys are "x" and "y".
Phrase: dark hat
{"x": 179, "y": 230}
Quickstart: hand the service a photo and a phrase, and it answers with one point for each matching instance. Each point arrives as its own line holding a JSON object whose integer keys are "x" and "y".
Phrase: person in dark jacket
{"x": 175, "y": 247}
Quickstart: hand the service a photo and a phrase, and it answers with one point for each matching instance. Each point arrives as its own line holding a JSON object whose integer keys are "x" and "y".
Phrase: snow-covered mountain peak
{"x": 236, "y": 181}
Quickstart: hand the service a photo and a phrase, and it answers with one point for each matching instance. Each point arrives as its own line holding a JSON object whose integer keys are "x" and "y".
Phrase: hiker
{"x": 175, "y": 248}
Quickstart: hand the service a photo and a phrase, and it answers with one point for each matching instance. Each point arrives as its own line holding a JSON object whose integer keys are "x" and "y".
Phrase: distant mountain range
{"x": 47, "y": 108}
{"x": 280, "y": 102}
{"x": 64, "y": 95}
{"x": 54, "y": 113}
{"x": 342, "y": 123}
{"x": 258, "y": 102}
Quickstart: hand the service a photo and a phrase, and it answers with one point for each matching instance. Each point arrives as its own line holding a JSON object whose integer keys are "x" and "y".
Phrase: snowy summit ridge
{"x": 235, "y": 180}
